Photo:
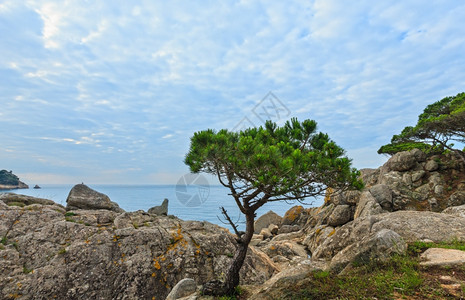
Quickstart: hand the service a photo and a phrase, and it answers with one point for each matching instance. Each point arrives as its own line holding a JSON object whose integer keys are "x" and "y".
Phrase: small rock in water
{"x": 161, "y": 209}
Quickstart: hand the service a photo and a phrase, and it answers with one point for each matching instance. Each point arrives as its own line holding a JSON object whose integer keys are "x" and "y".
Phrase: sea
{"x": 187, "y": 202}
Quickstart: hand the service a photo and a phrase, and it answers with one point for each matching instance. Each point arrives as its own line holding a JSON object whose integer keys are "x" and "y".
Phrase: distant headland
{"x": 9, "y": 181}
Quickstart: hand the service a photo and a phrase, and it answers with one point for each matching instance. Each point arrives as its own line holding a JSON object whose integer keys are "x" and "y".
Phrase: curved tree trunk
{"x": 232, "y": 275}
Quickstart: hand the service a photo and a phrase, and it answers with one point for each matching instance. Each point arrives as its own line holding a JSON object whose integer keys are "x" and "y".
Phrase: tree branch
{"x": 226, "y": 216}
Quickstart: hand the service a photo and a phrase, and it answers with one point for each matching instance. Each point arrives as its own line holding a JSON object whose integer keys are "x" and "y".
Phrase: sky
{"x": 111, "y": 91}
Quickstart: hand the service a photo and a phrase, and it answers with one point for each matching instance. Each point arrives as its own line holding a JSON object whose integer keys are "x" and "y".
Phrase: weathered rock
{"x": 410, "y": 225}
{"x": 455, "y": 210}
{"x": 343, "y": 198}
{"x": 442, "y": 257}
{"x": 367, "y": 206}
{"x": 161, "y": 209}
{"x": 266, "y": 233}
{"x": 288, "y": 249}
{"x": 83, "y": 197}
{"x": 320, "y": 215}
{"x": 275, "y": 287}
{"x": 457, "y": 198}
{"x": 266, "y": 220}
{"x": 417, "y": 175}
{"x": 369, "y": 176}
{"x": 86, "y": 261}
{"x": 293, "y": 215}
{"x": 340, "y": 215}
{"x": 433, "y": 204}
{"x": 317, "y": 236}
{"x": 273, "y": 229}
{"x": 383, "y": 195}
{"x": 403, "y": 161}
{"x": 92, "y": 217}
{"x": 26, "y": 200}
{"x": 379, "y": 247}
{"x": 431, "y": 165}
{"x": 288, "y": 229}
{"x": 183, "y": 288}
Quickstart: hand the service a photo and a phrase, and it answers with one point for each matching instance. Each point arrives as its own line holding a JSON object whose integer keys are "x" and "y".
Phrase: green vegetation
{"x": 270, "y": 163}
{"x": 439, "y": 126}
{"x": 70, "y": 214}
{"x": 8, "y": 178}
{"x": 14, "y": 203}
{"x": 400, "y": 278}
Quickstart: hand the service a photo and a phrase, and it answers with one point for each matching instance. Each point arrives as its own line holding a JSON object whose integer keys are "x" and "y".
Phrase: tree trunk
{"x": 232, "y": 275}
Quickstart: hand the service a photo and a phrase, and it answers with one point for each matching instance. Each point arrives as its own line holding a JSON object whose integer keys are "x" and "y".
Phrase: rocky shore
{"x": 92, "y": 249}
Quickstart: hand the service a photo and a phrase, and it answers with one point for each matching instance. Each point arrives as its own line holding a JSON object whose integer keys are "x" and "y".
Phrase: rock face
{"x": 160, "y": 210}
{"x": 102, "y": 254}
{"x": 83, "y": 197}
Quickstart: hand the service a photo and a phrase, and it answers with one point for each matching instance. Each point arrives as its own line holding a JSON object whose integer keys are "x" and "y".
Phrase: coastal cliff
{"x": 9, "y": 181}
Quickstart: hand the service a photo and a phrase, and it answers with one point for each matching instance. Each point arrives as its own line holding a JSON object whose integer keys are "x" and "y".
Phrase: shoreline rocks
{"x": 83, "y": 197}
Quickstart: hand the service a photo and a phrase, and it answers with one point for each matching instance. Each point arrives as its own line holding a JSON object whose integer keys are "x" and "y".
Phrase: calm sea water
{"x": 185, "y": 202}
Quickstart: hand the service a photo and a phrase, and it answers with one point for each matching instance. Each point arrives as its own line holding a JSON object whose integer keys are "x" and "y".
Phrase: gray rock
{"x": 317, "y": 235}
{"x": 433, "y": 204}
{"x": 266, "y": 233}
{"x": 456, "y": 199}
{"x": 455, "y": 210}
{"x": 367, "y": 206}
{"x": 442, "y": 257}
{"x": 26, "y": 200}
{"x": 343, "y": 198}
{"x": 402, "y": 161}
{"x": 417, "y": 175}
{"x": 431, "y": 165}
{"x": 439, "y": 190}
{"x": 410, "y": 225}
{"x": 183, "y": 288}
{"x": 369, "y": 176}
{"x": 161, "y": 209}
{"x": 288, "y": 249}
{"x": 83, "y": 197}
{"x": 407, "y": 179}
{"x": 288, "y": 229}
{"x": 273, "y": 229}
{"x": 340, "y": 215}
{"x": 379, "y": 246}
{"x": 86, "y": 261}
{"x": 266, "y": 220}
{"x": 383, "y": 195}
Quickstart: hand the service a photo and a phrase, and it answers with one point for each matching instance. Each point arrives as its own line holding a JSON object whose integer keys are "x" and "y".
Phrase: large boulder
{"x": 405, "y": 160}
{"x": 83, "y": 197}
{"x": 266, "y": 220}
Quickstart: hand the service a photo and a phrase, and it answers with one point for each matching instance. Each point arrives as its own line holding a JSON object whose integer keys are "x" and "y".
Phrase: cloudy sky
{"x": 111, "y": 91}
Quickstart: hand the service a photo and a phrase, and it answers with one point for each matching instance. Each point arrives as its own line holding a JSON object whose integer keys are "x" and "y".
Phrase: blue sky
{"x": 111, "y": 91}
